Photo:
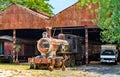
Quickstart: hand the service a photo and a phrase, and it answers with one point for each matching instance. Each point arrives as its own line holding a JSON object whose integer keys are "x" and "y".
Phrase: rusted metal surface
{"x": 49, "y": 46}
{"x": 74, "y": 16}
{"x": 19, "y": 17}
{"x": 8, "y": 47}
{"x": 27, "y": 47}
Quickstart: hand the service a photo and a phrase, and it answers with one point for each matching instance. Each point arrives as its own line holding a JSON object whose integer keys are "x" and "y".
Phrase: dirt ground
{"x": 94, "y": 69}
{"x": 104, "y": 70}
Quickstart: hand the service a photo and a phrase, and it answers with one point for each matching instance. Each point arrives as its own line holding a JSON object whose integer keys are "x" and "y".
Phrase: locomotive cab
{"x": 74, "y": 52}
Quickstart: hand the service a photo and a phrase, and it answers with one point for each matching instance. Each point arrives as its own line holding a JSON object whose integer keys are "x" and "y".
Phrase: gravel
{"x": 92, "y": 70}
{"x": 105, "y": 70}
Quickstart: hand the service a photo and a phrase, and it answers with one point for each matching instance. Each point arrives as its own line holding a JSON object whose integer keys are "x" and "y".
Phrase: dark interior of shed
{"x": 93, "y": 33}
{"x": 36, "y": 34}
{"x": 31, "y": 34}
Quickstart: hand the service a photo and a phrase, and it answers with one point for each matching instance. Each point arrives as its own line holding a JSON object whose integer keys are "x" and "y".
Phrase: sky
{"x": 60, "y": 5}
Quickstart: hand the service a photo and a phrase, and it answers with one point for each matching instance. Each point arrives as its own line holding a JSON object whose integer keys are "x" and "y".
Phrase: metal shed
{"x": 19, "y": 21}
{"x": 74, "y": 16}
{"x": 19, "y": 17}
{"x": 79, "y": 19}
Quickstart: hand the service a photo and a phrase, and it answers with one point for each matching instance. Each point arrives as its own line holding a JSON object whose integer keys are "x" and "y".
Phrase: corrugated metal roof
{"x": 19, "y": 17}
{"x": 73, "y": 16}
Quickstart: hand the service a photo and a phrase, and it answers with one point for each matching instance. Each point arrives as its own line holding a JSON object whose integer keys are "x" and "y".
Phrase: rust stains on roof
{"x": 73, "y": 16}
{"x": 19, "y": 17}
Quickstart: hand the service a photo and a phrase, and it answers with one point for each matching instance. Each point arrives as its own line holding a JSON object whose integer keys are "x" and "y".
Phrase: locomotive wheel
{"x": 31, "y": 66}
{"x": 50, "y": 68}
{"x": 37, "y": 66}
{"x": 72, "y": 60}
{"x": 115, "y": 63}
{"x": 67, "y": 62}
{"x": 63, "y": 68}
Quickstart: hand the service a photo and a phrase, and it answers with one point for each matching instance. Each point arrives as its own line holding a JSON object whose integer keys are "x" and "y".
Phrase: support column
{"x": 14, "y": 44}
{"x": 86, "y": 44}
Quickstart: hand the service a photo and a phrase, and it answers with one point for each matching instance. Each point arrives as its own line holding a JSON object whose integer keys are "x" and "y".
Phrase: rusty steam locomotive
{"x": 62, "y": 50}
{"x": 48, "y": 48}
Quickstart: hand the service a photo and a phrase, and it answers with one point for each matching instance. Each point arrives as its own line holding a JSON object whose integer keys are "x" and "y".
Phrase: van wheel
{"x": 102, "y": 62}
{"x": 115, "y": 63}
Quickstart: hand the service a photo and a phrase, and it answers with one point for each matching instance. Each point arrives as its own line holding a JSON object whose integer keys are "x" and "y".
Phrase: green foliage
{"x": 108, "y": 18}
{"x": 17, "y": 47}
{"x": 40, "y": 5}
{"x": 4, "y": 4}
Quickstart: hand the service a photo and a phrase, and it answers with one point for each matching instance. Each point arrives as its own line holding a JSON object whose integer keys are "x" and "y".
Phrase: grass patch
{"x": 9, "y": 66}
{"x": 22, "y": 70}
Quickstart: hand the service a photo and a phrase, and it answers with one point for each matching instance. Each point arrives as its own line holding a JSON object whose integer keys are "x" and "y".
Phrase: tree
{"x": 17, "y": 49}
{"x": 40, "y": 5}
{"x": 108, "y": 18}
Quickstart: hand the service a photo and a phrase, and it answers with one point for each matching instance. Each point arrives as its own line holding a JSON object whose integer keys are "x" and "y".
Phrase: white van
{"x": 109, "y": 54}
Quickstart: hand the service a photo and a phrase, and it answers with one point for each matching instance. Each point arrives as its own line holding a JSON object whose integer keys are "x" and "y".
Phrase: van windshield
{"x": 108, "y": 52}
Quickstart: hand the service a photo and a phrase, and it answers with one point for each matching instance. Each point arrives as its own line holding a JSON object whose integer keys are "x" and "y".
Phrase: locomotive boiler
{"x": 48, "y": 47}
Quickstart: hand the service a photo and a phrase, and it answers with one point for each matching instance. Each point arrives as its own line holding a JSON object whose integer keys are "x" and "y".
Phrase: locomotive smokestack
{"x": 48, "y": 30}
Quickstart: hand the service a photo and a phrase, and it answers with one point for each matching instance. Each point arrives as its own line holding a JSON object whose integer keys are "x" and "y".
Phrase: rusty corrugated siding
{"x": 74, "y": 16}
{"x": 19, "y": 17}
{"x": 8, "y": 47}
